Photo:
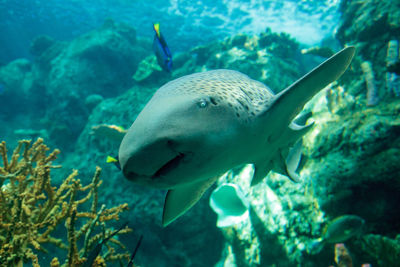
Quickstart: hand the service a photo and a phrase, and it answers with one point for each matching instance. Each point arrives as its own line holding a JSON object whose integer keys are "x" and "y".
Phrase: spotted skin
{"x": 245, "y": 96}
{"x": 199, "y": 126}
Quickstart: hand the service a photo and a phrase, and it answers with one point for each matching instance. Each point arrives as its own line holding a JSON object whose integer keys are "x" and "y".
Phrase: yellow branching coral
{"x": 31, "y": 209}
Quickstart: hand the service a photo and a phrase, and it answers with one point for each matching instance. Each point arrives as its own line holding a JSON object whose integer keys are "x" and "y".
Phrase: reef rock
{"x": 369, "y": 25}
{"x": 350, "y": 162}
{"x": 40, "y": 44}
{"x": 100, "y": 62}
{"x": 271, "y": 58}
{"x": 353, "y": 151}
{"x": 65, "y": 76}
{"x": 20, "y": 95}
{"x": 109, "y": 52}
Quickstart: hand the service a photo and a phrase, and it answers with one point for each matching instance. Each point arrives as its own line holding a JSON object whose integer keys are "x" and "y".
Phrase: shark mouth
{"x": 170, "y": 165}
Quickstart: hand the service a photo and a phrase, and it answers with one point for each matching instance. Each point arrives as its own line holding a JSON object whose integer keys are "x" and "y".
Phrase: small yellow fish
{"x": 111, "y": 159}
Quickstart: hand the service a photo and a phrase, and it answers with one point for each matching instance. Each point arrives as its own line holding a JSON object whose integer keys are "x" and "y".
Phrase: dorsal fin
{"x": 290, "y": 102}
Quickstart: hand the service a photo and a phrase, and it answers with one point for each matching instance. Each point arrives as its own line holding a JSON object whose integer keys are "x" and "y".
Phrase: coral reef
{"x": 372, "y": 93}
{"x": 392, "y": 58}
{"x": 351, "y": 155}
{"x": 342, "y": 256}
{"x": 369, "y": 25}
{"x": 148, "y": 70}
{"x": 384, "y": 250}
{"x": 392, "y": 55}
{"x": 264, "y": 57}
{"x": 352, "y": 159}
{"x": 93, "y": 100}
{"x": 283, "y": 218}
{"x": 32, "y": 209}
{"x": 69, "y": 79}
{"x": 351, "y": 165}
{"x": 40, "y": 44}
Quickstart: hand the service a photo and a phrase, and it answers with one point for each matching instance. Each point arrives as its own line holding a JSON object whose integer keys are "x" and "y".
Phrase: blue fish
{"x": 160, "y": 47}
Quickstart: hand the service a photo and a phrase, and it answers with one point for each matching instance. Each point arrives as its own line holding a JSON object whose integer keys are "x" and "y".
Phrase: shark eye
{"x": 202, "y": 103}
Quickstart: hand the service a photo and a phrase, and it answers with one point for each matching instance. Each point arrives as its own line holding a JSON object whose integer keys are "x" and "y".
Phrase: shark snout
{"x": 146, "y": 163}
{"x": 145, "y": 160}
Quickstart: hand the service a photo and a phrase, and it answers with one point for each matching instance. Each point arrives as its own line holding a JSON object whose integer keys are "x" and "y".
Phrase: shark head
{"x": 192, "y": 129}
{"x": 199, "y": 126}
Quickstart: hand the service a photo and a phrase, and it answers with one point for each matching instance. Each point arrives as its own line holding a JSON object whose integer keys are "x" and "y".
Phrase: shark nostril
{"x": 171, "y": 144}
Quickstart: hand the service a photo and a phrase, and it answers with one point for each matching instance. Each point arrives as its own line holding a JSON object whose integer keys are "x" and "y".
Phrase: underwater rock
{"x": 263, "y": 58}
{"x": 369, "y": 25}
{"x": 384, "y": 250}
{"x": 150, "y": 72}
{"x": 366, "y": 20}
{"x": 65, "y": 76}
{"x": 17, "y": 76}
{"x": 282, "y": 217}
{"x": 353, "y": 158}
{"x": 318, "y": 51}
{"x": 93, "y": 100}
{"x": 100, "y": 62}
{"x": 356, "y": 160}
{"x": 31, "y": 133}
{"x": 40, "y": 44}
{"x": 106, "y": 53}
{"x": 241, "y": 52}
{"x": 354, "y": 164}
{"x": 239, "y": 40}
{"x": 20, "y": 92}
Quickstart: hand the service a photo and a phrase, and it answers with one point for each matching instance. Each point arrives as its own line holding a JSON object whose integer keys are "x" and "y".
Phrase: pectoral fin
{"x": 293, "y": 160}
{"x": 181, "y": 199}
{"x": 260, "y": 171}
{"x": 288, "y": 162}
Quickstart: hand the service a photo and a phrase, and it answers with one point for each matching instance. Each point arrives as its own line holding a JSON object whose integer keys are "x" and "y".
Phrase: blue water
{"x": 79, "y": 76}
{"x": 186, "y": 24}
